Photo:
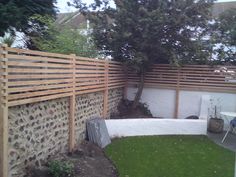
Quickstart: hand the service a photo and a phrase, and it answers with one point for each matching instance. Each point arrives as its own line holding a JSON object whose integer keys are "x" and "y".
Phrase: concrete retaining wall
{"x": 143, "y": 127}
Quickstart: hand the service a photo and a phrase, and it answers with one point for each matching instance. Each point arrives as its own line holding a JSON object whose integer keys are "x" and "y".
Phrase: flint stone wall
{"x": 38, "y": 131}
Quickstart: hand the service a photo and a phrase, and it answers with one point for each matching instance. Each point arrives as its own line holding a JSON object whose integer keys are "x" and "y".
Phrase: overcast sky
{"x": 63, "y": 7}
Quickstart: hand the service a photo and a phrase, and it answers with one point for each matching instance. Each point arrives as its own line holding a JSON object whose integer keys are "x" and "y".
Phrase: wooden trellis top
{"x": 32, "y": 76}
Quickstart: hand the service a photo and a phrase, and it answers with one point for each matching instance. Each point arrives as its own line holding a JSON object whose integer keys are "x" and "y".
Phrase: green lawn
{"x": 170, "y": 156}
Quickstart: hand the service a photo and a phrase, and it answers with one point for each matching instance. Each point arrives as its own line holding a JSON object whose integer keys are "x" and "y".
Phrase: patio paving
{"x": 229, "y": 143}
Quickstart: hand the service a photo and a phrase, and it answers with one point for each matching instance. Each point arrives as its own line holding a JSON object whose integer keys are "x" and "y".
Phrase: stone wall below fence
{"x": 38, "y": 131}
{"x": 87, "y": 107}
{"x": 114, "y": 97}
{"x": 91, "y": 106}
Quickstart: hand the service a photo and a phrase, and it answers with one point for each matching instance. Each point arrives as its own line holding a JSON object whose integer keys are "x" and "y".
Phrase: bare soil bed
{"x": 89, "y": 161}
{"x": 125, "y": 111}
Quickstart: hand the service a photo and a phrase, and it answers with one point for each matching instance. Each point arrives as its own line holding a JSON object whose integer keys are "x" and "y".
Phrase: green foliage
{"x": 143, "y": 32}
{"x": 61, "y": 169}
{"x": 8, "y": 39}
{"x": 63, "y": 40}
{"x": 16, "y": 14}
{"x": 224, "y": 37}
{"x": 228, "y": 26}
{"x": 170, "y": 156}
{"x": 140, "y": 33}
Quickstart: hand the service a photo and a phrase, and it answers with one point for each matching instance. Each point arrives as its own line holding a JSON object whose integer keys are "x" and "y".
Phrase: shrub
{"x": 61, "y": 169}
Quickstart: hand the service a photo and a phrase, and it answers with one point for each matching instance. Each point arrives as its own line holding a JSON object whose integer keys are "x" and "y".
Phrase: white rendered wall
{"x": 189, "y": 102}
{"x": 161, "y": 102}
{"x": 144, "y": 127}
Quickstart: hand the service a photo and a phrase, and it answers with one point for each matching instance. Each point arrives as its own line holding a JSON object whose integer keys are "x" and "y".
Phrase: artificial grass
{"x": 170, "y": 156}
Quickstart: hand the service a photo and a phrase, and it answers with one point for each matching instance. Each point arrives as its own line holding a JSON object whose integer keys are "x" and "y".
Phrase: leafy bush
{"x": 61, "y": 169}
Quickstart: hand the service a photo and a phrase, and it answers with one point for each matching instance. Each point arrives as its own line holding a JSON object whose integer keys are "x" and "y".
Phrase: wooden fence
{"x": 31, "y": 76}
{"x": 189, "y": 77}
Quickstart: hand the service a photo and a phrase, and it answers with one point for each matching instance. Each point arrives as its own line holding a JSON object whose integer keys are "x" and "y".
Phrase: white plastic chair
{"x": 205, "y": 102}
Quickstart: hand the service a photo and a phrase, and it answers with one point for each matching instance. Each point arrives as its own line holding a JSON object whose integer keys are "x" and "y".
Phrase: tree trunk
{"x": 139, "y": 92}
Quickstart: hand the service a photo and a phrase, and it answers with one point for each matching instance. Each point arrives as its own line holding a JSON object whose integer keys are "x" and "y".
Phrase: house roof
{"x": 220, "y": 7}
{"x": 74, "y": 19}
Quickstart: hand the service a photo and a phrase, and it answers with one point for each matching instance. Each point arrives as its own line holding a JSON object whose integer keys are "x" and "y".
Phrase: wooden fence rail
{"x": 189, "y": 77}
{"x": 34, "y": 76}
{"x": 31, "y": 76}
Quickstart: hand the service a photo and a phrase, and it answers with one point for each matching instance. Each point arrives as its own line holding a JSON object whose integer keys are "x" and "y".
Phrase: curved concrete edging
{"x": 144, "y": 127}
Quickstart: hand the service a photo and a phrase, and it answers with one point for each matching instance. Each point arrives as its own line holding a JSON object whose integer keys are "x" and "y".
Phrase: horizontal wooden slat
{"x": 90, "y": 67}
{"x": 89, "y": 71}
{"x": 89, "y": 75}
{"x": 90, "y": 59}
{"x": 82, "y": 79}
{"x": 33, "y": 52}
{"x": 111, "y": 75}
{"x": 89, "y": 87}
{"x": 121, "y": 69}
{"x": 89, "y": 83}
{"x": 88, "y": 63}
{"x": 89, "y": 91}
{"x": 30, "y": 64}
{"x": 39, "y": 76}
{"x": 38, "y": 82}
{"x": 188, "y": 87}
{"x": 28, "y": 70}
{"x": 192, "y": 66}
{"x": 208, "y": 84}
{"x": 118, "y": 80}
{"x": 115, "y": 87}
{"x": 35, "y": 88}
{"x": 38, "y": 93}
{"x": 33, "y": 100}
{"x": 117, "y": 83}
{"x": 37, "y": 59}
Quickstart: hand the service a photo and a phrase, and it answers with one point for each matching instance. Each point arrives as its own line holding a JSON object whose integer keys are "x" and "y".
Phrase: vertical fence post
{"x": 177, "y": 96}
{"x": 126, "y": 83}
{"x": 72, "y": 109}
{"x": 3, "y": 114}
{"x": 105, "y": 94}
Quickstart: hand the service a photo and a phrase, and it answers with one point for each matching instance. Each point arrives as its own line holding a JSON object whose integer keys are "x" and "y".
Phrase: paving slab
{"x": 229, "y": 143}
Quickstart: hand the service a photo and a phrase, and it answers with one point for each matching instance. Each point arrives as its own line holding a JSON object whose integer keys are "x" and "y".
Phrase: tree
{"x": 16, "y": 14}
{"x": 224, "y": 37}
{"x": 63, "y": 40}
{"x": 142, "y": 32}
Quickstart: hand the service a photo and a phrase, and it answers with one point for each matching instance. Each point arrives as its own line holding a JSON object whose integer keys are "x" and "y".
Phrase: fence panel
{"x": 189, "y": 77}
{"x": 116, "y": 75}
{"x": 39, "y": 76}
{"x": 31, "y": 76}
{"x": 90, "y": 75}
